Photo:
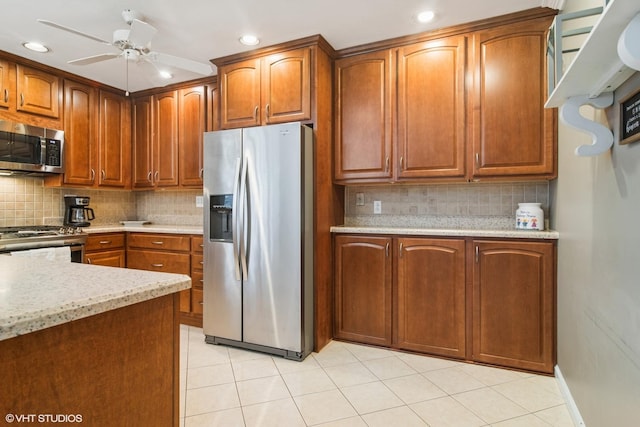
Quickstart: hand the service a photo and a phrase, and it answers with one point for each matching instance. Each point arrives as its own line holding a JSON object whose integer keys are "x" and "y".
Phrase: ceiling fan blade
{"x": 93, "y": 59}
{"x": 72, "y": 31}
{"x": 141, "y": 34}
{"x": 183, "y": 63}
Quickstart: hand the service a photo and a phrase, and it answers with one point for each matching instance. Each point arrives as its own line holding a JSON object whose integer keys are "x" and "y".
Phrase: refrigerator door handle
{"x": 235, "y": 232}
{"x": 243, "y": 218}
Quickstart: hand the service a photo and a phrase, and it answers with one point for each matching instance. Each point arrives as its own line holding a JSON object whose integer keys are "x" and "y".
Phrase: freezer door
{"x": 222, "y": 309}
{"x": 273, "y": 188}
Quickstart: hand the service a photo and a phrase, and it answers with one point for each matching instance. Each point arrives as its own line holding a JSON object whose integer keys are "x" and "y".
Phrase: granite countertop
{"x": 453, "y": 232}
{"x": 148, "y": 228}
{"x": 32, "y": 299}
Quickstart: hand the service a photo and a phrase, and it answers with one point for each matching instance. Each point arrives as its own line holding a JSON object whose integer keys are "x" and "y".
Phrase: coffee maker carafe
{"x": 77, "y": 214}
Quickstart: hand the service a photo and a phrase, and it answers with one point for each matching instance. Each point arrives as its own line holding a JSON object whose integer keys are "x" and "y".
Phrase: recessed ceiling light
{"x": 165, "y": 74}
{"x": 249, "y": 40}
{"x": 426, "y": 16}
{"x": 36, "y": 47}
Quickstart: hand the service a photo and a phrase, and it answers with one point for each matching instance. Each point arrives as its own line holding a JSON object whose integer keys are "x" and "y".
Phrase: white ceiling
{"x": 201, "y": 30}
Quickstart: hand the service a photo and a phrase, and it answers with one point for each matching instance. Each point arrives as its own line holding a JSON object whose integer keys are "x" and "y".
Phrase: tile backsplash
{"x": 490, "y": 205}
{"x": 25, "y": 201}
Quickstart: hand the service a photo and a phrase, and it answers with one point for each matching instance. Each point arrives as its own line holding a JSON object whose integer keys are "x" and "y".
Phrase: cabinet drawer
{"x": 174, "y": 242}
{"x": 114, "y": 258}
{"x": 196, "y": 301}
{"x": 98, "y": 242}
{"x": 197, "y": 244}
{"x": 197, "y": 279}
{"x": 158, "y": 261}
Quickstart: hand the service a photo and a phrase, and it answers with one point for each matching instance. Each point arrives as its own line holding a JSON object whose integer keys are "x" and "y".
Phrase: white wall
{"x": 596, "y": 208}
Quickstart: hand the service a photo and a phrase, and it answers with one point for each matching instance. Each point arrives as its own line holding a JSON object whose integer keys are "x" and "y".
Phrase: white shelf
{"x": 597, "y": 61}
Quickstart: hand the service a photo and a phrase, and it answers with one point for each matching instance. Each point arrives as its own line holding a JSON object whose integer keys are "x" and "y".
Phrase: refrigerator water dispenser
{"x": 221, "y": 213}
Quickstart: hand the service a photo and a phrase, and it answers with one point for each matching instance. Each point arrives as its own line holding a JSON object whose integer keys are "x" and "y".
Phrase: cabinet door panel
{"x": 115, "y": 140}
{"x": 240, "y": 94}
{"x": 5, "y": 84}
{"x": 364, "y": 89}
{"x": 430, "y": 309}
{"x": 363, "y": 289}
{"x": 165, "y": 139}
{"x": 38, "y": 92}
{"x": 142, "y": 143}
{"x": 80, "y": 133}
{"x": 191, "y": 127}
{"x": 431, "y": 109}
{"x": 514, "y": 304}
{"x": 286, "y": 93}
{"x": 513, "y": 134}
{"x": 108, "y": 258}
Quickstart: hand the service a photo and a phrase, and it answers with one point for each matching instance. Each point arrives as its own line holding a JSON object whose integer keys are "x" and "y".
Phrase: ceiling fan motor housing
{"x": 121, "y": 39}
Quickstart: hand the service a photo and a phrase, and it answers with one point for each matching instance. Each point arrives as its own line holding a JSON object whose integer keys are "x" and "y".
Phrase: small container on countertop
{"x": 529, "y": 216}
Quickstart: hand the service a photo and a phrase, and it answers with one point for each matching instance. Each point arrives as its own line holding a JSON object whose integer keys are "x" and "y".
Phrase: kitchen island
{"x": 88, "y": 344}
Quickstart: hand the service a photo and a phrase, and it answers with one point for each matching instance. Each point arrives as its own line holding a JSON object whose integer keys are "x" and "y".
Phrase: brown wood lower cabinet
{"x": 429, "y": 311}
{"x": 105, "y": 249}
{"x": 363, "y": 289}
{"x": 488, "y": 301}
{"x": 514, "y": 304}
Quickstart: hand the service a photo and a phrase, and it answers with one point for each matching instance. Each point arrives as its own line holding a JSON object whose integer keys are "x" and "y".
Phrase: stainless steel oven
{"x": 25, "y": 238}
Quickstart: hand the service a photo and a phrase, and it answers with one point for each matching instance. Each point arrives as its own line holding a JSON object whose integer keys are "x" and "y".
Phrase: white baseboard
{"x": 571, "y": 404}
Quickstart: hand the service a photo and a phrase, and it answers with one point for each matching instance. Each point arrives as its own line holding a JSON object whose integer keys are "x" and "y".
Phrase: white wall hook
{"x": 601, "y": 136}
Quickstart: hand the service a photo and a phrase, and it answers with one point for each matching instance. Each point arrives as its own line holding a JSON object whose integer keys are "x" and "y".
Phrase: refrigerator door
{"x": 222, "y": 310}
{"x": 273, "y": 189}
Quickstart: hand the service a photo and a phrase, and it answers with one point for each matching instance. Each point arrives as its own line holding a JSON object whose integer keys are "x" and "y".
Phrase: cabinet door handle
{"x": 93, "y": 175}
{"x": 201, "y": 303}
{"x": 149, "y": 177}
{"x": 201, "y": 262}
{"x": 267, "y": 110}
{"x": 21, "y": 99}
{"x": 386, "y": 164}
{"x": 6, "y": 95}
{"x": 156, "y": 175}
{"x": 158, "y": 242}
{"x": 477, "y": 159}
{"x": 202, "y": 245}
{"x": 477, "y": 254}
{"x": 401, "y": 247}
{"x": 201, "y": 174}
{"x": 88, "y": 260}
{"x": 401, "y": 162}
{"x": 255, "y": 112}
{"x": 105, "y": 242}
{"x": 157, "y": 265}
{"x": 386, "y": 250}
{"x": 103, "y": 174}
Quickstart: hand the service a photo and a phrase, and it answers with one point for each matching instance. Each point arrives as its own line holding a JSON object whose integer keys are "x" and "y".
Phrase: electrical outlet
{"x": 359, "y": 199}
{"x": 199, "y": 202}
{"x": 377, "y": 207}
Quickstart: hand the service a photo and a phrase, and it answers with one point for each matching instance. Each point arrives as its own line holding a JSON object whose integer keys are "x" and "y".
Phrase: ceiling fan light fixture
{"x": 249, "y": 40}
{"x": 165, "y": 74}
{"x": 426, "y": 16}
{"x": 36, "y": 47}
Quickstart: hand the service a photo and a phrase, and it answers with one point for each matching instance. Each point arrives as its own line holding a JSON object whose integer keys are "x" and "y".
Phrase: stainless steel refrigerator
{"x": 258, "y": 245}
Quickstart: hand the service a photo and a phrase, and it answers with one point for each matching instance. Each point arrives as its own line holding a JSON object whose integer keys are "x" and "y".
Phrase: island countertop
{"x": 38, "y": 295}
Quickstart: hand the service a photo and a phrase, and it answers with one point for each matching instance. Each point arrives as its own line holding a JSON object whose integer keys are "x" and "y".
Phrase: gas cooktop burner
{"x": 37, "y": 230}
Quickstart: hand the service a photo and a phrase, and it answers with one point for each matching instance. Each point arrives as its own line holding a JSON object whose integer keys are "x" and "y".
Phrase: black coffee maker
{"x": 77, "y": 214}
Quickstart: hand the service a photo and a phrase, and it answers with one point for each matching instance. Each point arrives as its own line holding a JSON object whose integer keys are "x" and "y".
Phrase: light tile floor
{"x": 352, "y": 385}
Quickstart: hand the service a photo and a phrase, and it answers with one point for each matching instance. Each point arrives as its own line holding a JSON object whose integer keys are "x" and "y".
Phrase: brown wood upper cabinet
{"x": 29, "y": 90}
{"x": 97, "y": 138}
{"x": 272, "y": 89}
{"x": 168, "y": 130}
{"x": 431, "y": 109}
{"x": 513, "y": 134}
{"x": 114, "y": 140}
{"x": 38, "y": 92}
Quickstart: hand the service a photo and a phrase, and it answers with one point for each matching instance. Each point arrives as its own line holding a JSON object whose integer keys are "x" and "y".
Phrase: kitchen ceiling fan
{"x": 134, "y": 44}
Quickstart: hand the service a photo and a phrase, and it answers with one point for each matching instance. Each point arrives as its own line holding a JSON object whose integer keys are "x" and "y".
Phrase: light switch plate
{"x": 199, "y": 202}
{"x": 377, "y": 207}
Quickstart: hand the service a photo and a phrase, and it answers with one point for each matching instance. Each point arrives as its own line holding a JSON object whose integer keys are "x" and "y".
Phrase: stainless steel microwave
{"x": 29, "y": 148}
